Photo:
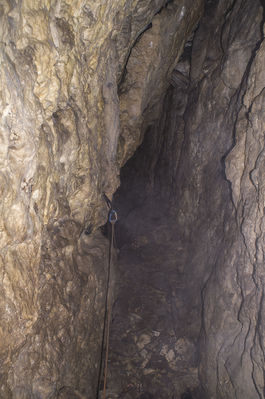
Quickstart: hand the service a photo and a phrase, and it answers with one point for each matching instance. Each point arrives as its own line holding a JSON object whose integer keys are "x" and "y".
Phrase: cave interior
{"x": 169, "y": 132}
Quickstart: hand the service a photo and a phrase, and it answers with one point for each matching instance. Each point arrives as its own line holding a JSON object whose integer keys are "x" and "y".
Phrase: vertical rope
{"x": 107, "y": 315}
{"x": 108, "y": 312}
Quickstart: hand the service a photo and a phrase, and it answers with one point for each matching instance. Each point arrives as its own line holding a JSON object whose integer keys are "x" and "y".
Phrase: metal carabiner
{"x": 113, "y": 216}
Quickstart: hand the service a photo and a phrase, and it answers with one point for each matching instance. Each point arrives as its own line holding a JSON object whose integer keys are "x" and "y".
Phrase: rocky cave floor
{"x": 153, "y": 335}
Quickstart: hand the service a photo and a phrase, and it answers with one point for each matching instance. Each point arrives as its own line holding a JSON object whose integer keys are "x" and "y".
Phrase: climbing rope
{"x": 112, "y": 219}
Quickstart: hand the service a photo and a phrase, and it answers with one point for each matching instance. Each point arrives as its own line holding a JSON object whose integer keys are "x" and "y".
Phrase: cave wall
{"x": 235, "y": 341}
{"x": 61, "y": 63}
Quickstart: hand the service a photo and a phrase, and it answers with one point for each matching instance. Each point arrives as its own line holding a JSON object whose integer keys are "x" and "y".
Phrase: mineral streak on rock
{"x": 60, "y": 65}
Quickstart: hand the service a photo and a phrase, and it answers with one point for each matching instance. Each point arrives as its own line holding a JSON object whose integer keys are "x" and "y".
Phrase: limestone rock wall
{"x": 235, "y": 341}
{"x": 61, "y": 62}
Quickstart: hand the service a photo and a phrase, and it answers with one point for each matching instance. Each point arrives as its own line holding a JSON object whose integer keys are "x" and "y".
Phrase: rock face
{"x": 235, "y": 341}
{"x": 61, "y": 146}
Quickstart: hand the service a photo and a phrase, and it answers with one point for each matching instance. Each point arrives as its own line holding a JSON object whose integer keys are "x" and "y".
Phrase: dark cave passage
{"x": 164, "y": 261}
{"x": 156, "y": 316}
{"x": 177, "y": 222}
